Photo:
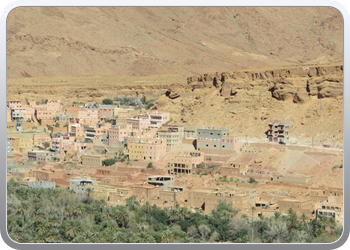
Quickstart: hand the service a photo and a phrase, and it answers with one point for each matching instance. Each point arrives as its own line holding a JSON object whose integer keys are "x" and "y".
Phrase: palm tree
{"x": 22, "y": 210}
{"x": 118, "y": 237}
{"x": 68, "y": 212}
{"x": 277, "y": 215}
{"x": 167, "y": 236}
{"x": 303, "y": 218}
{"x": 174, "y": 215}
{"x": 147, "y": 207}
{"x": 184, "y": 213}
{"x": 146, "y": 238}
{"x": 293, "y": 222}
{"x": 253, "y": 227}
{"x": 40, "y": 238}
{"x": 122, "y": 215}
{"x": 78, "y": 210}
{"x": 88, "y": 193}
{"x": 112, "y": 226}
{"x": 108, "y": 213}
{"x": 40, "y": 216}
{"x": 54, "y": 221}
{"x": 142, "y": 226}
{"x": 103, "y": 204}
{"x": 54, "y": 236}
{"x": 73, "y": 228}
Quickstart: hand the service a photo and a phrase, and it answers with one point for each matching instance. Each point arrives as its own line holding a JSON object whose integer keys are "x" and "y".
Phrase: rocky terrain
{"x": 134, "y": 41}
{"x": 246, "y": 101}
{"x": 235, "y": 68}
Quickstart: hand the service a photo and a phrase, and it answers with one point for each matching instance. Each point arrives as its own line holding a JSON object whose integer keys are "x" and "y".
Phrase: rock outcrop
{"x": 295, "y": 84}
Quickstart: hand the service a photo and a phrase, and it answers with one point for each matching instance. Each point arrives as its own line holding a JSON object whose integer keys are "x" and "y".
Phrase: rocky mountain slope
{"x": 134, "y": 41}
{"x": 267, "y": 63}
{"x": 247, "y": 101}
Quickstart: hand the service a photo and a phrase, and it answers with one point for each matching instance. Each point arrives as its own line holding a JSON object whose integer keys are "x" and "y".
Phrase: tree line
{"x": 56, "y": 216}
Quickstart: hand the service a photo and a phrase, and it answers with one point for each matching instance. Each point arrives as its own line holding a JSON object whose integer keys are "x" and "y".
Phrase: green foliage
{"x": 143, "y": 100}
{"x": 149, "y": 105}
{"x": 107, "y": 101}
{"x": 252, "y": 181}
{"x": 57, "y": 125}
{"x": 57, "y": 216}
{"x": 150, "y": 165}
{"x": 109, "y": 162}
{"x": 337, "y": 166}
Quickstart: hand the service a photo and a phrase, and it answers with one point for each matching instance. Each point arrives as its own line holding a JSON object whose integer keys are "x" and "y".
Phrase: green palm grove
{"x": 54, "y": 216}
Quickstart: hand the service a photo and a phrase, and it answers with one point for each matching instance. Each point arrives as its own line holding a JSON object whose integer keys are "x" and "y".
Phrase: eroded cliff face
{"x": 293, "y": 84}
{"x": 246, "y": 101}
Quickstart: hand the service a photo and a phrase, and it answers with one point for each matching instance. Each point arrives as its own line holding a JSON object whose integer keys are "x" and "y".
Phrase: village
{"x": 112, "y": 151}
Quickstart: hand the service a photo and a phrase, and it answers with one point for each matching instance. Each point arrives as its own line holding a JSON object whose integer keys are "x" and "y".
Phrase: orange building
{"x": 44, "y": 114}
{"x": 147, "y": 150}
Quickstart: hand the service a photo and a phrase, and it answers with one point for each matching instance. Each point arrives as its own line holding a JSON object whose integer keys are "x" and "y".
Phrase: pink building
{"x": 88, "y": 116}
{"x": 154, "y": 150}
{"x": 62, "y": 144}
{"x": 105, "y": 113}
{"x": 14, "y": 104}
{"x": 139, "y": 123}
{"x": 76, "y": 130}
{"x": 95, "y": 132}
{"x": 54, "y": 105}
{"x": 116, "y": 135}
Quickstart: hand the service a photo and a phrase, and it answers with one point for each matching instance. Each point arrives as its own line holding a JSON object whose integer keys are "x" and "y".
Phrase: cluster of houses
{"x": 41, "y": 135}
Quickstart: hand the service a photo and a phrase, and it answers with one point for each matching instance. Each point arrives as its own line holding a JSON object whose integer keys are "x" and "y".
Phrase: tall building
{"x": 279, "y": 130}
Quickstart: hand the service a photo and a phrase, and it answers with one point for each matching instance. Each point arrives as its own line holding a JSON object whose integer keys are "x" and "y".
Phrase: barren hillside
{"x": 134, "y": 41}
{"x": 267, "y": 63}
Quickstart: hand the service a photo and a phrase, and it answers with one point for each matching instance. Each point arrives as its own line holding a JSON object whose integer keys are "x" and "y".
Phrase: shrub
{"x": 109, "y": 162}
{"x": 150, "y": 165}
{"x": 337, "y": 166}
{"x": 107, "y": 101}
{"x": 149, "y": 105}
{"x": 57, "y": 125}
{"x": 251, "y": 180}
